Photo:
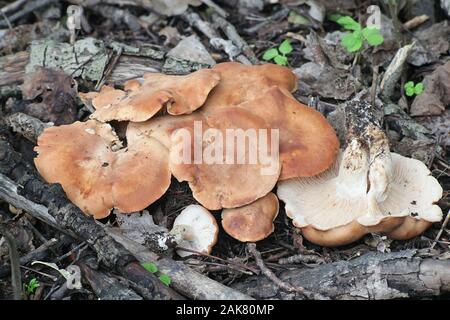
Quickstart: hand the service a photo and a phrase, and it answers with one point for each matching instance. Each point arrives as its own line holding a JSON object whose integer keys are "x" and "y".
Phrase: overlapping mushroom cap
{"x": 84, "y": 158}
{"x": 307, "y": 143}
{"x": 240, "y": 83}
{"x": 140, "y": 102}
{"x": 222, "y": 178}
{"x": 252, "y": 222}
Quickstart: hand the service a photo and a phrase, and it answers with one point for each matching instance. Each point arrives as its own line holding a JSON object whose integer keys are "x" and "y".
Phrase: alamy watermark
{"x": 227, "y": 147}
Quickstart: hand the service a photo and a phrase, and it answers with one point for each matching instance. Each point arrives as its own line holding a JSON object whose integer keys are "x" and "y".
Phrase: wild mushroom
{"x": 253, "y": 222}
{"x": 140, "y": 102}
{"x": 307, "y": 143}
{"x": 368, "y": 189}
{"x": 195, "y": 228}
{"x": 240, "y": 83}
{"x": 226, "y": 175}
{"x": 217, "y": 184}
{"x": 97, "y": 175}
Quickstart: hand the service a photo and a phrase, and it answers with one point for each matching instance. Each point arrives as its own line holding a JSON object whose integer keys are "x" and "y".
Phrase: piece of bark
{"x": 12, "y": 72}
{"x": 374, "y": 275}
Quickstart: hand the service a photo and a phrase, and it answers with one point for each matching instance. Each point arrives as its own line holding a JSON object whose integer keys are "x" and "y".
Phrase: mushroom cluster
{"x": 174, "y": 118}
{"x": 368, "y": 189}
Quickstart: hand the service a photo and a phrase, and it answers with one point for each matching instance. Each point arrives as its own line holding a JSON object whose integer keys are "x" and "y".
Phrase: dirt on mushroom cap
{"x": 80, "y": 157}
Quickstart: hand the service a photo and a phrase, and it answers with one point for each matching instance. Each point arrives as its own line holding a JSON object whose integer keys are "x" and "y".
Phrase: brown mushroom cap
{"x": 222, "y": 185}
{"x": 240, "y": 83}
{"x": 308, "y": 143}
{"x": 179, "y": 94}
{"x": 96, "y": 178}
{"x": 253, "y": 222}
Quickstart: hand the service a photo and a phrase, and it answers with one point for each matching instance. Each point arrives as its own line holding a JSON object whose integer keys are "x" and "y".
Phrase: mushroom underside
{"x": 330, "y": 214}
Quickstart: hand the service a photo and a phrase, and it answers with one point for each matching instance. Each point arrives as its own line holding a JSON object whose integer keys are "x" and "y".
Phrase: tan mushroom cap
{"x": 179, "y": 94}
{"x": 96, "y": 178}
{"x": 240, "y": 83}
{"x": 195, "y": 228}
{"x": 217, "y": 184}
{"x": 253, "y": 222}
{"x": 330, "y": 212}
{"x": 162, "y": 128}
{"x": 308, "y": 143}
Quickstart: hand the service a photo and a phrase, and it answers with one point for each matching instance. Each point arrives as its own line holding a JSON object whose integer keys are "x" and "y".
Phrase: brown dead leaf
{"x": 52, "y": 95}
{"x": 436, "y": 96}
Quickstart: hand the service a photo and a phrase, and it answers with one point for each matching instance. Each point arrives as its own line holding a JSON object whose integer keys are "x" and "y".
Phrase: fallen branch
{"x": 374, "y": 275}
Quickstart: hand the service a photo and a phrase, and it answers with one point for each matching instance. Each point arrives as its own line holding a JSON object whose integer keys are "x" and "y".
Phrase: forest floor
{"x": 117, "y": 40}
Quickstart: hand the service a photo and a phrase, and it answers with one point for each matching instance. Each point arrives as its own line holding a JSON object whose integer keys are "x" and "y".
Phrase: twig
{"x": 444, "y": 224}
{"x": 415, "y": 22}
{"x": 234, "y": 36}
{"x": 281, "y": 284}
{"x": 16, "y": 279}
{"x": 110, "y": 68}
{"x": 373, "y": 89}
{"x": 219, "y": 259}
{"x": 37, "y": 254}
{"x": 218, "y": 9}
{"x": 30, "y": 8}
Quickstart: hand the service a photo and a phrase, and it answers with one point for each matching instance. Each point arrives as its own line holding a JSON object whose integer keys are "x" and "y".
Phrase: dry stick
{"x": 444, "y": 224}
{"x": 241, "y": 266}
{"x": 415, "y": 22}
{"x": 110, "y": 69}
{"x": 216, "y": 7}
{"x": 13, "y": 6}
{"x": 31, "y": 7}
{"x": 373, "y": 89}
{"x": 234, "y": 36}
{"x": 16, "y": 279}
{"x": 37, "y": 254}
{"x": 270, "y": 275}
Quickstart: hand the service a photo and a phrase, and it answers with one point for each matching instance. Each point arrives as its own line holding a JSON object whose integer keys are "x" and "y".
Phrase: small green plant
{"x": 151, "y": 267}
{"x": 353, "y": 41}
{"x": 413, "y": 89}
{"x": 279, "y": 55}
{"x": 31, "y": 287}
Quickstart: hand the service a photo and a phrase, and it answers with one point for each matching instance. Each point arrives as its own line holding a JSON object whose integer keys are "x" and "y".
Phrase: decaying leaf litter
{"x": 118, "y": 43}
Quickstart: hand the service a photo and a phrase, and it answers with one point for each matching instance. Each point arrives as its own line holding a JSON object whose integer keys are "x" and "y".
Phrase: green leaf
{"x": 165, "y": 279}
{"x": 418, "y": 89}
{"x": 373, "y": 36}
{"x": 409, "y": 91}
{"x": 409, "y": 84}
{"x": 270, "y": 54}
{"x": 352, "y": 41}
{"x": 348, "y": 23}
{"x": 150, "y": 267}
{"x": 31, "y": 287}
{"x": 285, "y": 47}
{"x": 296, "y": 18}
{"x": 281, "y": 60}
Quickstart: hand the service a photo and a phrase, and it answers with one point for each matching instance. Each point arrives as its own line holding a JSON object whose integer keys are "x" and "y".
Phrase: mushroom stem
{"x": 368, "y": 150}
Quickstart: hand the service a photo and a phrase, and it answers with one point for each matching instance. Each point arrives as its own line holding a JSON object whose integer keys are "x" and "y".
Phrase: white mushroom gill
{"x": 355, "y": 189}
